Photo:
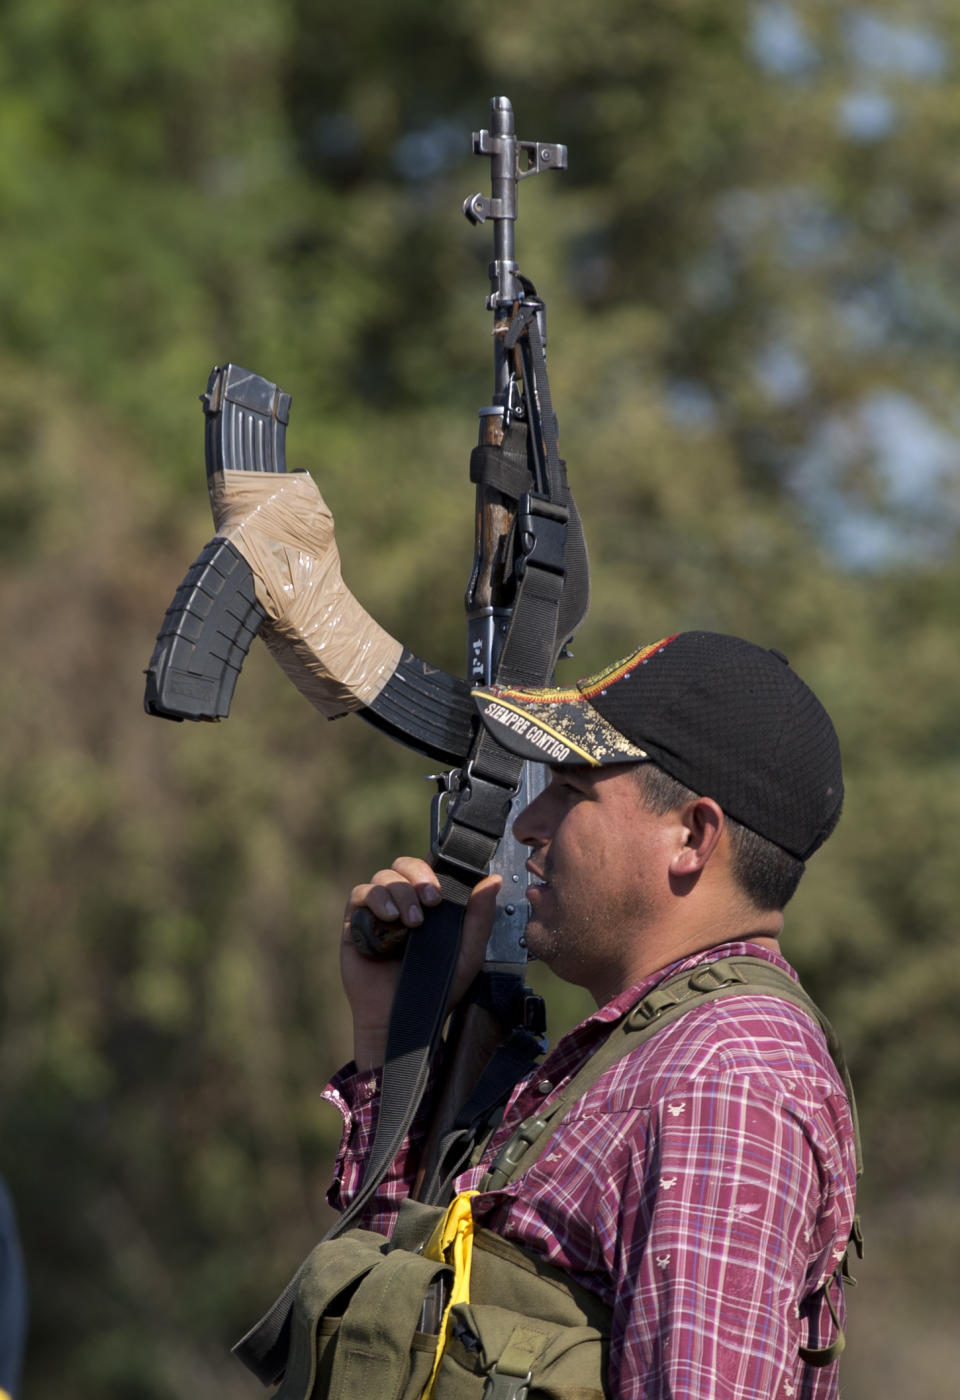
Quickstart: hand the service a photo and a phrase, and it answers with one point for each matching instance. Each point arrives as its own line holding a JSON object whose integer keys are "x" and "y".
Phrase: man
{"x": 704, "y": 1186}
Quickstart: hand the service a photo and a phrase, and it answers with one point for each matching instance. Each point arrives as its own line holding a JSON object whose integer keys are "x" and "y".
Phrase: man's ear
{"x": 702, "y": 822}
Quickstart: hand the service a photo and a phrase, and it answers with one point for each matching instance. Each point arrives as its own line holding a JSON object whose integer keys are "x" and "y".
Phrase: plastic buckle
{"x": 516, "y": 1145}
{"x": 651, "y": 1007}
{"x": 502, "y": 1386}
{"x": 714, "y": 976}
{"x": 527, "y": 1134}
{"x": 542, "y": 532}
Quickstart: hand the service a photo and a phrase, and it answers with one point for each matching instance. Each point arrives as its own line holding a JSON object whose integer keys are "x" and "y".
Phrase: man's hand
{"x": 400, "y": 896}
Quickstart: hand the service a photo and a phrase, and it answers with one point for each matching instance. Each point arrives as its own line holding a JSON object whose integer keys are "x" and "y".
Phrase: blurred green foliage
{"x": 754, "y": 323}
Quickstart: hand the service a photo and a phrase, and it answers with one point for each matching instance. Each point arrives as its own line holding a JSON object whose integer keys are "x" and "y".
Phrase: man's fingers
{"x": 398, "y": 894}
{"x": 481, "y": 911}
{"x": 388, "y": 902}
{"x": 421, "y": 876}
{"x": 483, "y": 897}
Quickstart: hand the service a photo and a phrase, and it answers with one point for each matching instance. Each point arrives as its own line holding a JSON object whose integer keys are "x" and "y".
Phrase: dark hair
{"x": 767, "y": 874}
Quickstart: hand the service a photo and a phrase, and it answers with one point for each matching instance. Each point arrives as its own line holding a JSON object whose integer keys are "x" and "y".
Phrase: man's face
{"x": 599, "y": 861}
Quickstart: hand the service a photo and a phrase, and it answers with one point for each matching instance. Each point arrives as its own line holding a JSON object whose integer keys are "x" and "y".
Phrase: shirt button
{"x": 545, "y": 1087}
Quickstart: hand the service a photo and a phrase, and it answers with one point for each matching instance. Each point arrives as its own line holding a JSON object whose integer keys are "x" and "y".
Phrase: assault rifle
{"x": 273, "y": 568}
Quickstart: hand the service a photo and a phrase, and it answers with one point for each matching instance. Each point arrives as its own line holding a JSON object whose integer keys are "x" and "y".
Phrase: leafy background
{"x": 751, "y": 269}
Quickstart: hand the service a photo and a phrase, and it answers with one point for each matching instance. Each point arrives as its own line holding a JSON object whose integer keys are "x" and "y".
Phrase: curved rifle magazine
{"x": 246, "y": 422}
{"x": 204, "y": 639}
{"x": 214, "y": 616}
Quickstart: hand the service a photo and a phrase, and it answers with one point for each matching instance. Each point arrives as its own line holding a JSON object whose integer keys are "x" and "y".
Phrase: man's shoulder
{"x": 755, "y": 1036}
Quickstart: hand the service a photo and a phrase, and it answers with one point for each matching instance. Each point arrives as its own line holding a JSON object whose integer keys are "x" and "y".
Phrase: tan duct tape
{"x": 320, "y": 636}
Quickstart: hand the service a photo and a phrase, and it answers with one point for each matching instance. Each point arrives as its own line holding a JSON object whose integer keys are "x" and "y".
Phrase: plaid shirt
{"x": 703, "y": 1188}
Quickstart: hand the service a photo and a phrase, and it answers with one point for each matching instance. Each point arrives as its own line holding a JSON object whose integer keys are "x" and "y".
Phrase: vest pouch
{"x": 354, "y": 1324}
{"x": 493, "y": 1354}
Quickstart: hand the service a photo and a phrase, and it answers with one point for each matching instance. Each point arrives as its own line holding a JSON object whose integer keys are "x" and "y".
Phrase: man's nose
{"x": 525, "y": 825}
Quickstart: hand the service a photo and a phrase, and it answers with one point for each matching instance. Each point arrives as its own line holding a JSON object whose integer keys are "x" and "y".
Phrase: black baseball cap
{"x": 726, "y": 718}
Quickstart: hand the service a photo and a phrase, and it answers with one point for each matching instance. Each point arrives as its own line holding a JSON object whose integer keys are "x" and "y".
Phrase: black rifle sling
{"x": 464, "y": 850}
{"x": 479, "y": 813}
{"x": 478, "y": 1118}
{"x": 415, "y": 1025}
{"x": 476, "y": 822}
{"x": 468, "y": 842}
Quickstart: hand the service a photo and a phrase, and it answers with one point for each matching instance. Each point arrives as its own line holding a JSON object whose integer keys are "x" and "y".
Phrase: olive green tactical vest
{"x": 355, "y": 1331}
{"x": 362, "y": 1325}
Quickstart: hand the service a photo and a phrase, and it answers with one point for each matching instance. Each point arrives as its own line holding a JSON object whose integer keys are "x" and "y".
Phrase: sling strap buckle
{"x": 502, "y": 1386}
{"x": 542, "y": 532}
{"x": 713, "y": 976}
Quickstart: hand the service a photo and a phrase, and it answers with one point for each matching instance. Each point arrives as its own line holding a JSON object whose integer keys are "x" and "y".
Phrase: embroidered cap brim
{"x": 722, "y": 716}
{"x": 564, "y": 729}
{"x": 562, "y": 726}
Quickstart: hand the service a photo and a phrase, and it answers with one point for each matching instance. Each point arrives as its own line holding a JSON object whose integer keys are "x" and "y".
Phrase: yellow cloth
{"x": 452, "y": 1243}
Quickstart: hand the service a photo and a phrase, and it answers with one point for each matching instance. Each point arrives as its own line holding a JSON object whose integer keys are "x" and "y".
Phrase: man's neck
{"x": 760, "y": 927}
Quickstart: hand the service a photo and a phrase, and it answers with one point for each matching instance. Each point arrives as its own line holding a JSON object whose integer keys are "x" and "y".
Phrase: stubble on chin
{"x": 561, "y": 944}
{"x": 542, "y": 940}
